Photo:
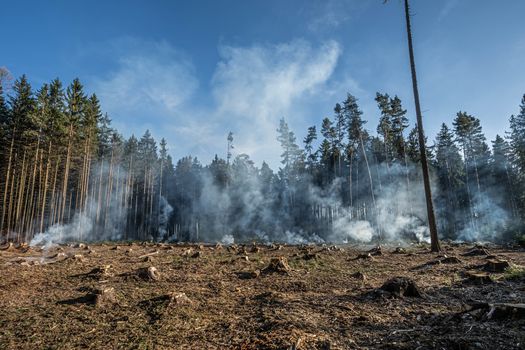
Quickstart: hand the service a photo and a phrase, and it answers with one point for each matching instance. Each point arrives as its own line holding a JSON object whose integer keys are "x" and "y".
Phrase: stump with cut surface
{"x": 476, "y": 251}
{"x": 399, "y": 250}
{"x": 496, "y": 265}
{"x": 376, "y": 251}
{"x": 359, "y": 275}
{"x": 178, "y": 299}
{"x": 478, "y": 278}
{"x": 366, "y": 256}
{"x": 401, "y": 287}
{"x": 449, "y": 260}
{"x": 105, "y": 297}
{"x": 149, "y": 274}
{"x": 100, "y": 272}
{"x": 279, "y": 265}
{"x": 9, "y": 246}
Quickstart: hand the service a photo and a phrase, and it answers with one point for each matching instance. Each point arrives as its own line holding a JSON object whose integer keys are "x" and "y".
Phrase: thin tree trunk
{"x": 434, "y": 239}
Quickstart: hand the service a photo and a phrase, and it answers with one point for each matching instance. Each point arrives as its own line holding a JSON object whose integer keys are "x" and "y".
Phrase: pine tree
{"x": 502, "y": 184}
{"x": 517, "y": 150}
{"x": 311, "y": 157}
{"x": 450, "y": 175}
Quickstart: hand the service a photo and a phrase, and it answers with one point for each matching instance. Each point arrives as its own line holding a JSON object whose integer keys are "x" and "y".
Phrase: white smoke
{"x": 345, "y": 230}
{"x": 165, "y": 210}
{"x": 227, "y": 239}
{"x": 102, "y": 218}
{"x": 63, "y": 233}
{"x": 487, "y": 221}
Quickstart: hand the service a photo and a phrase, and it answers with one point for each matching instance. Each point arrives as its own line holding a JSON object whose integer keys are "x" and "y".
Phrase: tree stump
{"x": 401, "y": 287}
{"x": 496, "y": 265}
{"x": 105, "y": 297}
{"x": 149, "y": 274}
{"x": 479, "y": 278}
{"x": 279, "y": 265}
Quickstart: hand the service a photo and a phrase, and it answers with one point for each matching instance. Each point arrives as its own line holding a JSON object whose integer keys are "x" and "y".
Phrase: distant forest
{"x": 66, "y": 171}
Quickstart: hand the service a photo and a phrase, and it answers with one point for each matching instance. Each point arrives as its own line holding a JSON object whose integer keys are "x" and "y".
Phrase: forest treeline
{"x": 63, "y": 164}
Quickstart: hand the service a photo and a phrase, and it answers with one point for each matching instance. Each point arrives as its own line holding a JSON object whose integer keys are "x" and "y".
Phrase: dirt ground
{"x": 108, "y": 296}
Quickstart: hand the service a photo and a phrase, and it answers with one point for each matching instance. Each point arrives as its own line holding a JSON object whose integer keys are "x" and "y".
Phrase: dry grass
{"x": 215, "y": 299}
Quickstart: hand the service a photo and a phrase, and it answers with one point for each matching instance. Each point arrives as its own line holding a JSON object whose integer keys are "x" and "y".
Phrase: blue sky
{"x": 191, "y": 71}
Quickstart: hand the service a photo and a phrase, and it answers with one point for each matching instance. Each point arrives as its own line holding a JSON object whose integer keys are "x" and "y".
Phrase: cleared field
{"x": 161, "y": 296}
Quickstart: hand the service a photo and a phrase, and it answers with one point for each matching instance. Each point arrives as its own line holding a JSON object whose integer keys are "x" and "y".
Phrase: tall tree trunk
{"x": 434, "y": 239}
{"x": 7, "y": 179}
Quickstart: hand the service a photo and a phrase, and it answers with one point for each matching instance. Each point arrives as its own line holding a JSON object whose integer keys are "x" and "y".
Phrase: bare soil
{"x": 160, "y": 296}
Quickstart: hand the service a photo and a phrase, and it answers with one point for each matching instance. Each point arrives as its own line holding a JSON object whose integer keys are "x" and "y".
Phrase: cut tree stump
{"x": 366, "y": 256}
{"x": 450, "y": 260}
{"x": 504, "y": 311}
{"x": 401, "y": 287}
{"x": 479, "y": 277}
{"x": 149, "y": 274}
{"x": 476, "y": 251}
{"x": 311, "y": 256}
{"x": 359, "y": 275}
{"x": 101, "y": 271}
{"x": 496, "y": 265}
{"x": 105, "y": 297}
{"x": 8, "y": 247}
{"x": 279, "y": 265}
{"x": 179, "y": 299}
{"x": 376, "y": 251}
{"x": 399, "y": 250}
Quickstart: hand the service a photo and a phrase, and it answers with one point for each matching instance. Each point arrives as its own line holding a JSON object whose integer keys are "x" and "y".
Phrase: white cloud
{"x": 153, "y": 79}
{"x": 154, "y": 86}
{"x": 255, "y": 86}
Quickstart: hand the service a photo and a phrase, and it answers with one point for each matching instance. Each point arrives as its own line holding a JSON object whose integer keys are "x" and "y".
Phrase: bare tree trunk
{"x": 48, "y": 164}
{"x": 434, "y": 239}
{"x": 7, "y": 179}
{"x": 66, "y": 175}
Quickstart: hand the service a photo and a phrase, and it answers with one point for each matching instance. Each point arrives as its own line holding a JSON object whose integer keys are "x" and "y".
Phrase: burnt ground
{"x": 214, "y": 297}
